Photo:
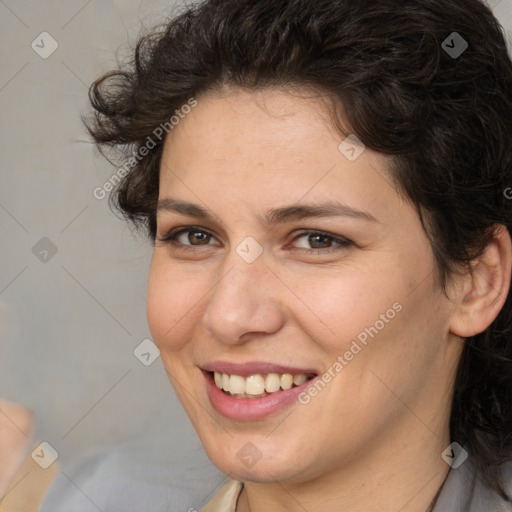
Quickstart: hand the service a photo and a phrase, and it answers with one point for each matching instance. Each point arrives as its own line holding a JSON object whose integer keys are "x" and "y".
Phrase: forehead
{"x": 242, "y": 122}
{"x": 270, "y": 146}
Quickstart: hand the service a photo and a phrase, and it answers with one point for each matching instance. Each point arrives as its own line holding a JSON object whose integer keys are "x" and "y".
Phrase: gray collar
{"x": 463, "y": 491}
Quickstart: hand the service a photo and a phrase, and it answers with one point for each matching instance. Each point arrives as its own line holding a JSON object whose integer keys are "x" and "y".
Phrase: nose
{"x": 244, "y": 303}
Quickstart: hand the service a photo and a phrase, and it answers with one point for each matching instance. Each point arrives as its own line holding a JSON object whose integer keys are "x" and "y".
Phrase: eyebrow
{"x": 273, "y": 216}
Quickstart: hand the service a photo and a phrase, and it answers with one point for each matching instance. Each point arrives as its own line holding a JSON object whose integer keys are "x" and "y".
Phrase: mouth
{"x": 258, "y": 385}
{"x": 254, "y": 391}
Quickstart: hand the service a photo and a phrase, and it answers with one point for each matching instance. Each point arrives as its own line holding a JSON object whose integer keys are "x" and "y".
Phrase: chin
{"x": 258, "y": 460}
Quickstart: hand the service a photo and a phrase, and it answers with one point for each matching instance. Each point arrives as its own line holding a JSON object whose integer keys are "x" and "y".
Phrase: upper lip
{"x": 253, "y": 367}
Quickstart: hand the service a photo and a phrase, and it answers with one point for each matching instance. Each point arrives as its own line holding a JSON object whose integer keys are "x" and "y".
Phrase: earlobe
{"x": 485, "y": 288}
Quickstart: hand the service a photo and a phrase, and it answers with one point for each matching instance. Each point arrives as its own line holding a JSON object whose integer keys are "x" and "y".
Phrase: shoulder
{"x": 465, "y": 491}
{"x": 137, "y": 475}
{"x": 507, "y": 476}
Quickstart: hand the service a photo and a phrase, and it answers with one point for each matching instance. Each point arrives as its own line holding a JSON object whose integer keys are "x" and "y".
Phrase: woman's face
{"x": 302, "y": 259}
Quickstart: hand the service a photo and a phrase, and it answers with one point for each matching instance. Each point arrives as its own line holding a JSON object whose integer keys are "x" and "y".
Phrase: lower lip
{"x": 250, "y": 408}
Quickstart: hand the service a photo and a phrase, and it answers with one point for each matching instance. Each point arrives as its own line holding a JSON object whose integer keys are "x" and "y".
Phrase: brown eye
{"x": 319, "y": 241}
{"x": 200, "y": 237}
{"x": 188, "y": 237}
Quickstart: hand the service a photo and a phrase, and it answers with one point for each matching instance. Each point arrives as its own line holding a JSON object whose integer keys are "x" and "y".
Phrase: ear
{"x": 484, "y": 290}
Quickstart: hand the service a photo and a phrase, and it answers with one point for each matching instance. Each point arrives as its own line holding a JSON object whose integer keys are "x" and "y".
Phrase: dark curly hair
{"x": 446, "y": 119}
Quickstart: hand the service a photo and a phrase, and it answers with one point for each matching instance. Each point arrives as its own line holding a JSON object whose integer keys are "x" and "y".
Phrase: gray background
{"x": 69, "y": 325}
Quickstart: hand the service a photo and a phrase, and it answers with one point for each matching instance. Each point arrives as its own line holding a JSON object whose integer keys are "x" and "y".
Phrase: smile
{"x": 253, "y": 391}
{"x": 258, "y": 385}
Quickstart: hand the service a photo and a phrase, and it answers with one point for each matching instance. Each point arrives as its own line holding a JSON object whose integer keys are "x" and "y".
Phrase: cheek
{"x": 170, "y": 305}
{"x": 339, "y": 305}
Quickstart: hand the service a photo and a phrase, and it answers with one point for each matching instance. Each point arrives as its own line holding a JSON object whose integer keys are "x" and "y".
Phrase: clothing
{"x": 461, "y": 492}
{"x": 226, "y": 498}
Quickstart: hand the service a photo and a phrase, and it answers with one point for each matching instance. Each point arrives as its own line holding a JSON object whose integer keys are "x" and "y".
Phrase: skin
{"x": 373, "y": 437}
{"x": 16, "y": 430}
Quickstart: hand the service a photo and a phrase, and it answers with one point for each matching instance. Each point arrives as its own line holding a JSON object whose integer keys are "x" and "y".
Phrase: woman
{"x": 325, "y": 185}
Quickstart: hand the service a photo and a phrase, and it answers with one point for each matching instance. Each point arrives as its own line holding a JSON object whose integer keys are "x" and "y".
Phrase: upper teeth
{"x": 257, "y": 384}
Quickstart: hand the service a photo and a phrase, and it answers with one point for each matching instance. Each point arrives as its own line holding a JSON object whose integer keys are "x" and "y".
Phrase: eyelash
{"x": 171, "y": 237}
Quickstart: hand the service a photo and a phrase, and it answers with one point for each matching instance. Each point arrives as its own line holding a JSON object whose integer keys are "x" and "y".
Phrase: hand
{"x": 16, "y": 430}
